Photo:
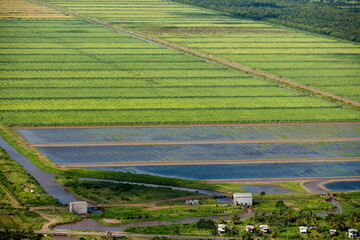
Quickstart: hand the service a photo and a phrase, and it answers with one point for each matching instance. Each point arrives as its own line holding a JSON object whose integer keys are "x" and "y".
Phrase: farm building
{"x": 264, "y": 228}
{"x": 352, "y": 233}
{"x": 221, "y": 228}
{"x": 249, "y": 228}
{"x": 78, "y": 207}
{"x": 303, "y": 230}
{"x": 192, "y": 202}
{"x": 242, "y": 199}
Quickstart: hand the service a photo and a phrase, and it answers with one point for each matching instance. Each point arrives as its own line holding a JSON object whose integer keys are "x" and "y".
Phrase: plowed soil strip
{"x": 206, "y": 57}
{"x": 203, "y": 162}
{"x": 99, "y": 144}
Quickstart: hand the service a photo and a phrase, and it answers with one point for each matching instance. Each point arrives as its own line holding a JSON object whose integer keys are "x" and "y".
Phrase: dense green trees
{"x": 335, "y": 18}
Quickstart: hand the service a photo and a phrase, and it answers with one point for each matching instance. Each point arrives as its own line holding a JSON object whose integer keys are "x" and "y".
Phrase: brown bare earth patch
{"x": 209, "y": 30}
{"x": 21, "y": 9}
{"x": 114, "y": 221}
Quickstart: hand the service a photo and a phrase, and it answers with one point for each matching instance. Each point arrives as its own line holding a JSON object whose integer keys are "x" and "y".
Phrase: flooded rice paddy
{"x": 157, "y": 153}
{"x": 343, "y": 186}
{"x": 257, "y": 189}
{"x": 189, "y": 133}
{"x": 248, "y": 171}
{"x": 198, "y": 152}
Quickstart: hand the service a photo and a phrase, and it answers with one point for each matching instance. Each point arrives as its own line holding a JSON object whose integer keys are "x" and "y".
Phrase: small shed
{"x": 333, "y": 232}
{"x": 242, "y": 199}
{"x": 352, "y": 233}
{"x": 264, "y": 228}
{"x": 221, "y": 228}
{"x": 78, "y": 207}
{"x": 249, "y": 228}
{"x": 303, "y": 230}
{"x": 192, "y": 202}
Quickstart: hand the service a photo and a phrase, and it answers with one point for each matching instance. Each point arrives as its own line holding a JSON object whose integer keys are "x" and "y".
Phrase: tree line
{"x": 339, "y": 19}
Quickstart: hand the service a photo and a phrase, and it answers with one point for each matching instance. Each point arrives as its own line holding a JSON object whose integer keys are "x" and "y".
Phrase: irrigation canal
{"x": 45, "y": 179}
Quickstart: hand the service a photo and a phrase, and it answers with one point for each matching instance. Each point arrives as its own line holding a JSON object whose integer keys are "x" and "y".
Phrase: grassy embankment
{"x": 110, "y": 193}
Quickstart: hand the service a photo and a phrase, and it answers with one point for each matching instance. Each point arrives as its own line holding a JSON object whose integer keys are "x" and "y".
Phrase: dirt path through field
{"x": 209, "y": 58}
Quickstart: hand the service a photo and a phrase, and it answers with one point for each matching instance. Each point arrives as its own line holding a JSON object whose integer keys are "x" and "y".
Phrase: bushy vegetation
{"x": 21, "y": 184}
{"x": 19, "y": 234}
{"x": 131, "y": 214}
{"x": 116, "y": 193}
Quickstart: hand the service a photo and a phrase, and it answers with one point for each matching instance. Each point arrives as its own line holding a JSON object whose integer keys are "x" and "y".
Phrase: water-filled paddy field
{"x": 68, "y": 154}
{"x": 343, "y": 186}
{"x": 194, "y": 152}
{"x": 266, "y": 188}
{"x": 190, "y": 133}
{"x": 249, "y": 171}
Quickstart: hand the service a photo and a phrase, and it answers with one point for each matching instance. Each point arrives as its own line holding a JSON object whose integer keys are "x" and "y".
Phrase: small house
{"x": 333, "y": 232}
{"x": 264, "y": 228}
{"x": 303, "y": 230}
{"x": 249, "y": 228}
{"x": 221, "y": 228}
{"x": 243, "y": 199}
{"x": 192, "y": 202}
{"x": 352, "y": 233}
{"x": 78, "y": 207}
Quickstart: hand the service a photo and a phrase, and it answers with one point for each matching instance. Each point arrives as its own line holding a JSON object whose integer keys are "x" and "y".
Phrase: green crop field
{"x": 324, "y": 63}
{"x": 63, "y": 71}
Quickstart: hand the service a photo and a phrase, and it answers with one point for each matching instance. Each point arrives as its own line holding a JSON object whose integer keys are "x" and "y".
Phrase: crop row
{"x": 159, "y": 103}
{"x": 248, "y": 42}
{"x": 144, "y": 92}
{"x": 42, "y": 66}
{"x": 175, "y": 116}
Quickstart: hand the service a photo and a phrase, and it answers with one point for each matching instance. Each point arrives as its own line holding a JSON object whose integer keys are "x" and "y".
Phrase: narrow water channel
{"x": 45, "y": 179}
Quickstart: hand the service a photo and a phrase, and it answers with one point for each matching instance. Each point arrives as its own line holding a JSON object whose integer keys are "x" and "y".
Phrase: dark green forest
{"x": 339, "y": 19}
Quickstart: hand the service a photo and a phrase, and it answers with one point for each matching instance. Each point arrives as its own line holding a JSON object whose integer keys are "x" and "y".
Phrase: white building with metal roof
{"x": 242, "y": 199}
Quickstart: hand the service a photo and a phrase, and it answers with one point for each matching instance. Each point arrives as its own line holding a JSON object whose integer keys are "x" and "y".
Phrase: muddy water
{"x": 45, "y": 179}
{"x": 333, "y": 202}
{"x": 90, "y": 224}
{"x": 313, "y": 186}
